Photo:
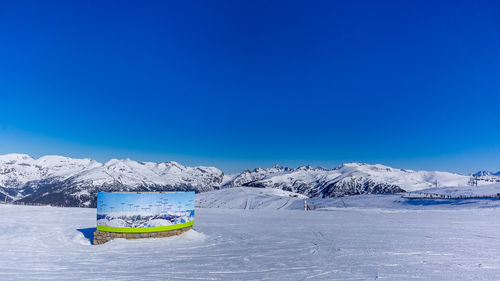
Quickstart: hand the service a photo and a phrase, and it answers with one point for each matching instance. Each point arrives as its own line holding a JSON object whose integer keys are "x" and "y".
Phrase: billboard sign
{"x": 144, "y": 211}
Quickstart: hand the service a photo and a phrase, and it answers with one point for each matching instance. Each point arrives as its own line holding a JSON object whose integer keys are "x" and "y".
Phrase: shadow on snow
{"x": 88, "y": 233}
{"x": 430, "y": 202}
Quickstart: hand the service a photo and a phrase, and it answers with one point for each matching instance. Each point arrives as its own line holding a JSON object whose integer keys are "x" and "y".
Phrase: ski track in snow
{"x": 264, "y": 244}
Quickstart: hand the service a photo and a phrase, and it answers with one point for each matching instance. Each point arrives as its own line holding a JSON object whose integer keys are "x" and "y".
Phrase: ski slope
{"x": 485, "y": 190}
{"x": 268, "y": 198}
{"x": 248, "y": 198}
{"x": 261, "y": 244}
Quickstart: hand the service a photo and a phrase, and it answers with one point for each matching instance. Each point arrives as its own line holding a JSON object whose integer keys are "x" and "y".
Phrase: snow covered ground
{"x": 485, "y": 190}
{"x": 248, "y": 198}
{"x": 351, "y": 243}
{"x": 267, "y": 198}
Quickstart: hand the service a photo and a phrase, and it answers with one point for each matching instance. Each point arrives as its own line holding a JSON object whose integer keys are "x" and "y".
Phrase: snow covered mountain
{"x": 486, "y": 174}
{"x": 347, "y": 179}
{"x": 75, "y": 182}
{"x": 18, "y": 169}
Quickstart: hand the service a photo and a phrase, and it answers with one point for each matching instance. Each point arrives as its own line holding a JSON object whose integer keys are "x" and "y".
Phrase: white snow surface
{"x": 484, "y": 190}
{"x": 247, "y": 198}
{"x": 263, "y": 198}
{"x": 354, "y": 241}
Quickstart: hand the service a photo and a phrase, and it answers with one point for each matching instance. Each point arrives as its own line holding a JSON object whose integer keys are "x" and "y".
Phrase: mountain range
{"x": 486, "y": 174}
{"x": 65, "y": 181}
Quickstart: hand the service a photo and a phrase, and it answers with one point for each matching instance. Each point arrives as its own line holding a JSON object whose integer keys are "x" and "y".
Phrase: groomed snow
{"x": 248, "y": 198}
{"x": 265, "y": 198}
{"x": 264, "y": 244}
{"x": 485, "y": 190}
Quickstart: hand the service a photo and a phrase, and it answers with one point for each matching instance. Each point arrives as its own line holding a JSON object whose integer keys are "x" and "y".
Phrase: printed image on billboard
{"x": 143, "y": 210}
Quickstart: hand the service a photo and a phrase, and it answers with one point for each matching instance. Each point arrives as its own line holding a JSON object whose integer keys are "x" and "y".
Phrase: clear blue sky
{"x": 241, "y": 84}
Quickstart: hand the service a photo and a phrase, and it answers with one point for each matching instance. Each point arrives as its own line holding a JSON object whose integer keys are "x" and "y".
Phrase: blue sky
{"x": 241, "y": 84}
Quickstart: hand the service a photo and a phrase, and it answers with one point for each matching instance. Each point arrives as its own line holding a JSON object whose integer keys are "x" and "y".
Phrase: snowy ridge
{"x": 135, "y": 174}
{"x": 18, "y": 169}
{"x": 75, "y": 182}
{"x": 347, "y": 179}
{"x": 486, "y": 174}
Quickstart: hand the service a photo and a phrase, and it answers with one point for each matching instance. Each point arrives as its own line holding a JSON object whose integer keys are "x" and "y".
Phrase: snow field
{"x": 263, "y": 244}
{"x": 267, "y": 198}
{"x": 248, "y": 198}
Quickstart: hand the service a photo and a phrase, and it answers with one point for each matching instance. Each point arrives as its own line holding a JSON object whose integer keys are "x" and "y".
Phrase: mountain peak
{"x": 15, "y": 157}
{"x": 112, "y": 162}
{"x": 78, "y": 180}
{"x": 485, "y": 174}
{"x": 305, "y": 168}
